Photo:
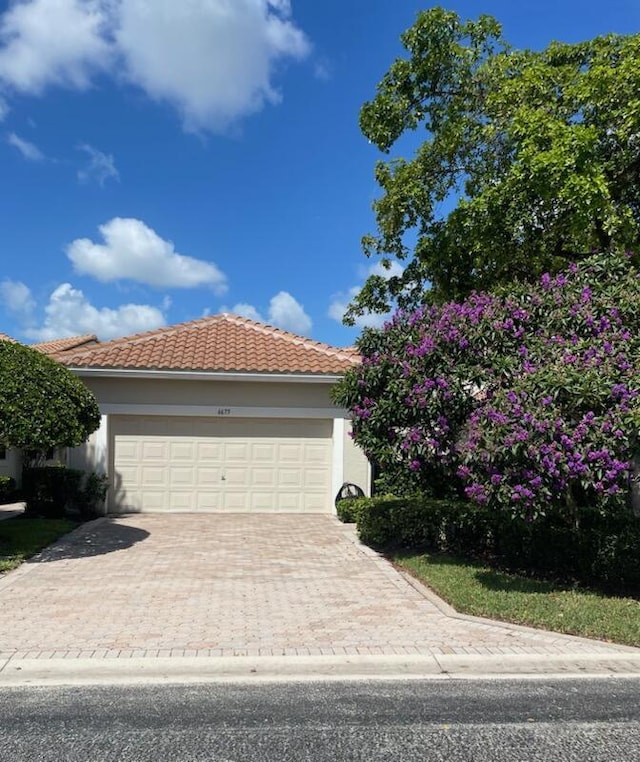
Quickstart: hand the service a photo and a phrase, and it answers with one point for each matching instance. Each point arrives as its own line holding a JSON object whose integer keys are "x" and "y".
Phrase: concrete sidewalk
{"x": 220, "y": 597}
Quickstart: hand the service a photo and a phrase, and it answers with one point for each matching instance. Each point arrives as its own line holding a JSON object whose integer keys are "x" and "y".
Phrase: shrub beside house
{"x": 524, "y": 402}
{"x": 43, "y": 409}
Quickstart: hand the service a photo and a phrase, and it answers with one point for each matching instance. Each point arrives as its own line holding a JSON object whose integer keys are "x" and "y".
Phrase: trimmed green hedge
{"x": 49, "y": 490}
{"x": 7, "y": 489}
{"x": 348, "y": 510}
{"x": 599, "y": 548}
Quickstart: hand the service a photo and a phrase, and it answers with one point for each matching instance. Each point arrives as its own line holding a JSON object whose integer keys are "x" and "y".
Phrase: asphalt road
{"x": 585, "y": 720}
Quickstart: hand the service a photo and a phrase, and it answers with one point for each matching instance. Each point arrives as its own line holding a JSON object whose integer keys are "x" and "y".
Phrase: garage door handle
{"x": 223, "y": 478}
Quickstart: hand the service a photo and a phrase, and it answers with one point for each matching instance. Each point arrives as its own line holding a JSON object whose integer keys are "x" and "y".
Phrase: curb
{"x": 50, "y": 672}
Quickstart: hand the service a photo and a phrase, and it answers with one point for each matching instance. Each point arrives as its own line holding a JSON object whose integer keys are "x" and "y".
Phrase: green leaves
{"x": 42, "y": 404}
{"x": 530, "y": 160}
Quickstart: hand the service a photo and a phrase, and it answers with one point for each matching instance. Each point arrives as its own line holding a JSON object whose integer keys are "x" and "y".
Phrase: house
{"x": 217, "y": 414}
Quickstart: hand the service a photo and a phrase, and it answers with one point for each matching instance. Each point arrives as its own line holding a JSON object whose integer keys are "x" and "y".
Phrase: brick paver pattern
{"x": 245, "y": 585}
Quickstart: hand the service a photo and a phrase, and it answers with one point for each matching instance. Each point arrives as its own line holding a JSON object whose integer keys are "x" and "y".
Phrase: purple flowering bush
{"x": 525, "y": 400}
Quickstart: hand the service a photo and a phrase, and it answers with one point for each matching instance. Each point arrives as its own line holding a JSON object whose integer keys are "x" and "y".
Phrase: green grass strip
{"x": 21, "y": 538}
{"x": 474, "y": 588}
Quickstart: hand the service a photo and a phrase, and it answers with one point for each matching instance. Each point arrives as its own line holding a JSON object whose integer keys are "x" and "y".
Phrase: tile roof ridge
{"x": 82, "y": 339}
{"x": 136, "y": 338}
{"x": 294, "y": 338}
{"x": 139, "y": 338}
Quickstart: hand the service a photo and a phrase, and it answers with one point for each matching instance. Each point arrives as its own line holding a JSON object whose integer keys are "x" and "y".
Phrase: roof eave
{"x": 297, "y": 378}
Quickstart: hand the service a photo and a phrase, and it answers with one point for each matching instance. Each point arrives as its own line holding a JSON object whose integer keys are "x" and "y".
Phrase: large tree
{"x": 526, "y": 399}
{"x": 531, "y": 159}
{"x": 42, "y": 404}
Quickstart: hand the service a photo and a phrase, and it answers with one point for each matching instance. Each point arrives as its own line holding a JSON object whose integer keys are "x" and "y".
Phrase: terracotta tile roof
{"x": 4, "y": 337}
{"x": 225, "y": 343}
{"x": 64, "y": 345}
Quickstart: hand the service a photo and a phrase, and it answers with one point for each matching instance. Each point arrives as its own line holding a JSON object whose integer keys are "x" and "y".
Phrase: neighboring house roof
{"x": 223, "y": 343}
{"x": 64, "y": 345}
{"x": 4, "y": 337}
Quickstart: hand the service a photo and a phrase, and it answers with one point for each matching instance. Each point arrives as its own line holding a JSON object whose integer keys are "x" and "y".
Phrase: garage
{"x": 219, "y": 414}
{"x": 204, "y": 464}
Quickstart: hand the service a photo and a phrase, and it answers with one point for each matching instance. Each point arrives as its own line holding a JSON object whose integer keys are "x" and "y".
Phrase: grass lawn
{"x": 473, "y": 588}
{"x": 21, "y": 538}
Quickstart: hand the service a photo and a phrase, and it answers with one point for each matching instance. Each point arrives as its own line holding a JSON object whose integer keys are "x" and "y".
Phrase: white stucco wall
{"x": 233, "y": 393}
{"x": 357, "y": 469}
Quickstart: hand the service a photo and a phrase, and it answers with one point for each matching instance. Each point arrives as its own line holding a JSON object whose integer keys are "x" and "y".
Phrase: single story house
{"x": 217, "y": 414}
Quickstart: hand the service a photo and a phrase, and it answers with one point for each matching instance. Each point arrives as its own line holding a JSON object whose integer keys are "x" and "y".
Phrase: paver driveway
{"x": 187, "y": 585}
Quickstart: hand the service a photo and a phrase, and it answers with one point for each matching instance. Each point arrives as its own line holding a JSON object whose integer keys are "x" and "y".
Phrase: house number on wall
{"x": 224, "y": 411}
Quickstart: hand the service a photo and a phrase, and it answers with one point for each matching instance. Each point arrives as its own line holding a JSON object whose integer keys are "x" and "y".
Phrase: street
{"x": 569, "y": 720}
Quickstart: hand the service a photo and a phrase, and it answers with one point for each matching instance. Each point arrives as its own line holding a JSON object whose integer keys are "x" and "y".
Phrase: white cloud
{"x": 133, "y": 251}
{"x": 247, "y": 311}
{"x": 340, "y": 302}
{"x": 212, "y": 60}
{"x": 4, "y": 109}
{"x": 27, "y": 149}
{"x": 222, "y": 58}
{"x": 69, "y": 313}
{"x": 17, "y": 299}
{"x": 53, "y": 42}
{"x": 99, "y": 167}
{"x": 287, "y": 313}
{"x": 284, "y": 312}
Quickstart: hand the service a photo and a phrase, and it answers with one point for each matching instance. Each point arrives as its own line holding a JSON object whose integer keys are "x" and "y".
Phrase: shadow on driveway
{"x": 97, "y": 540}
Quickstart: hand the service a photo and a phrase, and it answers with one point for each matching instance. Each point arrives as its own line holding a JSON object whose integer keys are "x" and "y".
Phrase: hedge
{"x": 597, "y": 548}
{"x": 48, "y": 490}
{"x": 7, "y": 489}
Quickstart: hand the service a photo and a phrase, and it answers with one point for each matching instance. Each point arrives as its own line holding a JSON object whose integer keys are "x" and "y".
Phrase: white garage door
{"x": 218, "y": 464}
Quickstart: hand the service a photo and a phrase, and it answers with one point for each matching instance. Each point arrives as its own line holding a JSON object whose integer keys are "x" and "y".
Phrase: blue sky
{"x": 166, "y": 159}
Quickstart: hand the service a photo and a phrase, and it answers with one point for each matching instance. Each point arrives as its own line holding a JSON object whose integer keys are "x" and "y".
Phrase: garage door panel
{"x": 313, "y": 504}
{"x": 129, "y": 474}
{"x": 209, "y": 452}
{"x": 180, "y": 500}
{"x": 314, "y": 453}
{"x": 237, "y": 476}
{"x": 129, "y": 450}
{"x": 207, "y": 501}
{"x": 290, "y": 452}
{"x": 181, "y": 476}
{"x": 264, "y": 452}
{"x": 289, "y": 477}
{"x": 289, "y": 502}
{"x": 237, "y": 452}
{"x": 236, "y": 501}
{"x": 150, "y": 500}
{"x": 263, "y": 477}
{"x": 182, "y": 450}
{"x": 155, "y": 450}
{"x": 208, "y": 477}
{"x": 176, "y": 464}
{"x": 313, "y": 477}
{"x": 154, "y": 477}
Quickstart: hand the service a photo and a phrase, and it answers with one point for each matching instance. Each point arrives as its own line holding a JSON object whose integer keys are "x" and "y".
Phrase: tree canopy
{"x": 531, "y": 159}
{"x": 42, "y": 404}
{"x": 526, "y": 400}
